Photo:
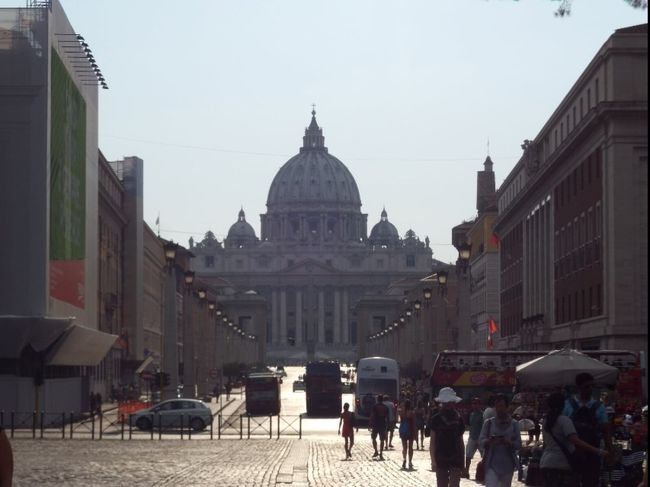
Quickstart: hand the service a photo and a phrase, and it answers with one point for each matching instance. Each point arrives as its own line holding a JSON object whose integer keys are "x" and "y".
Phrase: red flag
{"x": 495, "y": 240}
{"x": 493, "y": 326}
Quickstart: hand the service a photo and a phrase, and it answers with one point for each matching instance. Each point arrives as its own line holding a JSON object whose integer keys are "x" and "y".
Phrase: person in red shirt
{"x": 348, "y": 421}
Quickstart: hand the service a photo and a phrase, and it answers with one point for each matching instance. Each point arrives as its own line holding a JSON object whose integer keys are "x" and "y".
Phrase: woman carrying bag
{"x": 501, "y": 440}
{"x": 407, "y": 433}
{"x": 560, "y": 442}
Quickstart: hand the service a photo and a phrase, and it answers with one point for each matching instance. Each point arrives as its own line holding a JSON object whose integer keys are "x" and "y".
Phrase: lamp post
{"x": 169, "y": 350}
{"x": 188, "y": 337}
{"x": 464, "y": 253}
{"x": 199, "y": 347}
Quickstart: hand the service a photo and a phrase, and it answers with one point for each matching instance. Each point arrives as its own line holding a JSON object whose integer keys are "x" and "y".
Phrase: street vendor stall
{"x": 558, "y": 370}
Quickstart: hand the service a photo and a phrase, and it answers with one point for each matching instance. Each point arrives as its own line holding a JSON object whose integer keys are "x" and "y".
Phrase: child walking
{"x": 348, "y": 420}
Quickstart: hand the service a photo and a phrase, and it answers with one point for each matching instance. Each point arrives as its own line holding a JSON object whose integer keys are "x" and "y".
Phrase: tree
{"x": 564, "y": 9}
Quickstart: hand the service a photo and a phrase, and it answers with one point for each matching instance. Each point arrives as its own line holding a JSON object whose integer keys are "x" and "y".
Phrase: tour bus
{"x": 323, "y": 388}
{"x": 375, "y": 375}
{"x": 262, "y": 394}
{"x": 487, "y": 372}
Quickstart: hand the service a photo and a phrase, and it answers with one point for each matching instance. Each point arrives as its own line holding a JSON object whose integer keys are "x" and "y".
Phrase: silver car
{"x": 169, "y": 414}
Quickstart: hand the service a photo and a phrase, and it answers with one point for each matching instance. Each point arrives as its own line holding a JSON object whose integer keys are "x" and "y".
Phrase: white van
{"x": 375, "y": 375}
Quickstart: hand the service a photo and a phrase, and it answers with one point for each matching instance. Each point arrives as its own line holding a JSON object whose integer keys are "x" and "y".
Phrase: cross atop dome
{"x": 313, "y": 139}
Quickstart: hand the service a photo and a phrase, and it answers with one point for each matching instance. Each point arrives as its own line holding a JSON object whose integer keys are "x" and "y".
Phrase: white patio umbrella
{"x": 559, "y": 368}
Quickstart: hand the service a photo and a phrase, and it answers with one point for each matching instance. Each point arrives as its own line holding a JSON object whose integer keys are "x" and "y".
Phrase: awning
{"x": 17, "y": 332}
{"x": 65, "y": 343}
{"x": 80, "y": 346}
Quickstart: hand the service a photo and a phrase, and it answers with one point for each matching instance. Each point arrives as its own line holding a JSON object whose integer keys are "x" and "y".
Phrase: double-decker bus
{"x": 262, "y": 394}
{"x": 323, "y": 388}
{"x": 375, "y": 375}
{"x": 482, "y": 373}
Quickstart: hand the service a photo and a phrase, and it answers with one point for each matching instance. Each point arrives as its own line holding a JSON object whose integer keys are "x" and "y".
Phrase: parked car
{"x": 298, "y": 385}
{"x": 194, "y": 413}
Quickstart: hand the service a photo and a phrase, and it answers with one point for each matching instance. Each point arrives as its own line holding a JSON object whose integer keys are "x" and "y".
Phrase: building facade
{"x": 573, "y": 213}
{"x": 314, "y": 258}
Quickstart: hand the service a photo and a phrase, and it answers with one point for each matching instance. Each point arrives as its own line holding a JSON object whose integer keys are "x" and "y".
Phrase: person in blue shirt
{"x": 589, "y": 417}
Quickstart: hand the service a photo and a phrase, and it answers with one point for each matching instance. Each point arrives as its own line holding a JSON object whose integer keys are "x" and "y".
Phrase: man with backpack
{"x": 590, "y": 420}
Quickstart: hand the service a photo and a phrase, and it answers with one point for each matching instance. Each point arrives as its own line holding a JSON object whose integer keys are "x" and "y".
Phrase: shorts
{"x": 381, "y": 431}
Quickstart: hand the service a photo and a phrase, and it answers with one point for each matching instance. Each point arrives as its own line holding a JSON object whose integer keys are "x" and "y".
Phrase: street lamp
{"x": 427, "y": 293}
{"x": 189, "y": 280}
{"x": 170, "y": 249}
{"x": 464, "y": 253}
{"x": 409, "y": 313}
{"x": 202, "y": 294}
{"x": 212, "y": 306}
{"x": 442, "y": 282}
{"x": 417, "y": 306}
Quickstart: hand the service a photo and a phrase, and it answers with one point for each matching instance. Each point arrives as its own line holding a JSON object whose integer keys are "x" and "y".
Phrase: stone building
{"x": 314, "y": 258}
{"x": 573, "y": 213}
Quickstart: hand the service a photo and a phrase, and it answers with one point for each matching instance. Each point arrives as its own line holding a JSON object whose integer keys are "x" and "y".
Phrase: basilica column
{"x": 298, "y": 318}
{"x": 283, "y": 317}
{"x": 274, "y": 318}
{"x": 337, "y": 316}
{"x": 344, "y": 317}
{"x": 321, "y": 316}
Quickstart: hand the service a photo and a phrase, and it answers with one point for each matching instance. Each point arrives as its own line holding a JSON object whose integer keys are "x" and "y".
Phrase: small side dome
{"x": 241, "y": 233}
{"x": 384, "y": 232}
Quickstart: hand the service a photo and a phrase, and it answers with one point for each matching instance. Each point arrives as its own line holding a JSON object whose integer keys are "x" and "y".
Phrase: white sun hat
{"x": 447, "y": 394}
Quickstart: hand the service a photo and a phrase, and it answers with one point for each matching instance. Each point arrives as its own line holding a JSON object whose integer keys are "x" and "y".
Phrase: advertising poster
{"x": 67, "y": 188}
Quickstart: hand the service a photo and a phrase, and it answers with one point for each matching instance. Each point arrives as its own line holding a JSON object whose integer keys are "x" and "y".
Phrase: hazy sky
{"x": 214, "y": 96}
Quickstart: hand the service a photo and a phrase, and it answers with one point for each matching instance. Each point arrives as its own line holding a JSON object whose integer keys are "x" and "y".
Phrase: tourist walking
{"x": 420, "y": 413}
{"x": 447, "y": 428}
{"x": 560, "y": 443}
{"x": 592, "y": 425}
{"x": 348, "y": 421}
{"x": 475, "y": 426}
{"x": 379, "y": 426}
{"x": 500, "y": 439}
{"x": 392, "y": 422}
{"x": 407, "y": 433}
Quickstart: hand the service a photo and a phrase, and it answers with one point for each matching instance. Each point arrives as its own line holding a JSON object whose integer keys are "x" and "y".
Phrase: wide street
{"x": 316, "y": 460}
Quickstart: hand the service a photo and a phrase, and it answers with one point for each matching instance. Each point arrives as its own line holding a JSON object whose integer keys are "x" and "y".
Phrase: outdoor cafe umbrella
{"x": 559, "y": 368}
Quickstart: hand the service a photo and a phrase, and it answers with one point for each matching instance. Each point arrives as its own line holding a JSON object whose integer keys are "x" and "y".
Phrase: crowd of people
{"x": 577, "y": 433}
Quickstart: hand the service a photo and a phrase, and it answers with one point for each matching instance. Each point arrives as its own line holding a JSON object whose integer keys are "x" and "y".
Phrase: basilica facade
{"x": 314, "y": 258}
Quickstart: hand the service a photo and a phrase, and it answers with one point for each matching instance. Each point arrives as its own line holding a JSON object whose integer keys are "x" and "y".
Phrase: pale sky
{"x": 214, "y": 96}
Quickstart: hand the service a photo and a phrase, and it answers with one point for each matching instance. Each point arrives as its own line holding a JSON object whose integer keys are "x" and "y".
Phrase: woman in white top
{"x": 554, "y": 464}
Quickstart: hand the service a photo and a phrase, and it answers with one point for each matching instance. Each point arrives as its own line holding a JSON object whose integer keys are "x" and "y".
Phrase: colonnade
{"x": 311, "y": 311}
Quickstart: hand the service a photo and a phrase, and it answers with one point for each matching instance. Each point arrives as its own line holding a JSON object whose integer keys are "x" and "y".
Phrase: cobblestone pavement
{"x": 228, "y": 463}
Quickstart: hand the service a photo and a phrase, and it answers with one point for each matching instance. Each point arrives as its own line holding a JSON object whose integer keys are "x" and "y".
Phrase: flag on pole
{"x": 493, "y": 326}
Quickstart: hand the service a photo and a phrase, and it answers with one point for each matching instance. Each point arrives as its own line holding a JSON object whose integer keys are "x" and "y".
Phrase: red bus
{"x": 262, "y": 394}
{"x": 481, "y": 373}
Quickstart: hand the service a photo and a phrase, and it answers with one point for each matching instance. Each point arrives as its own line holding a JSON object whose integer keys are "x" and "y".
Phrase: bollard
{"x": 92, "y": 430}
{"x": 300, "y": 427}
{"x": 122, "y": 427}
{"x": 42, "y": 420}
{"x": 71, "y": 423}
{"x": 34, "y": 425}
{"x": 249, "y": 426}
{"x": 152, "y": 423}
{"x": 12, "y": 424}
{"x": 189, "y": 428}
{"x": 63, "y": 426}
{"x": 159, "y": 427}
{"x": 181, "y": 426}
{"x": 212, "y": 428}
{"x": 241, "y": 426}
{"x": 130, "y": 425}
{"x": 101, "y": 425}
{"x": 218, "y": 425}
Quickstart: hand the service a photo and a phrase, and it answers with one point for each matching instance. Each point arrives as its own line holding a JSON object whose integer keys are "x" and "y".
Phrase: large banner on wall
{"x": 67, "y": 188}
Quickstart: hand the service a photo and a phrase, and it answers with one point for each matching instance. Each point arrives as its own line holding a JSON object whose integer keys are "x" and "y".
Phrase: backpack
{"x": 585, "y": 422}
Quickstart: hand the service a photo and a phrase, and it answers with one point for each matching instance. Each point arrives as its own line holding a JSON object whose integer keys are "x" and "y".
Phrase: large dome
{"x": 384, "y": 232}
{"x": 314, "y": 176}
